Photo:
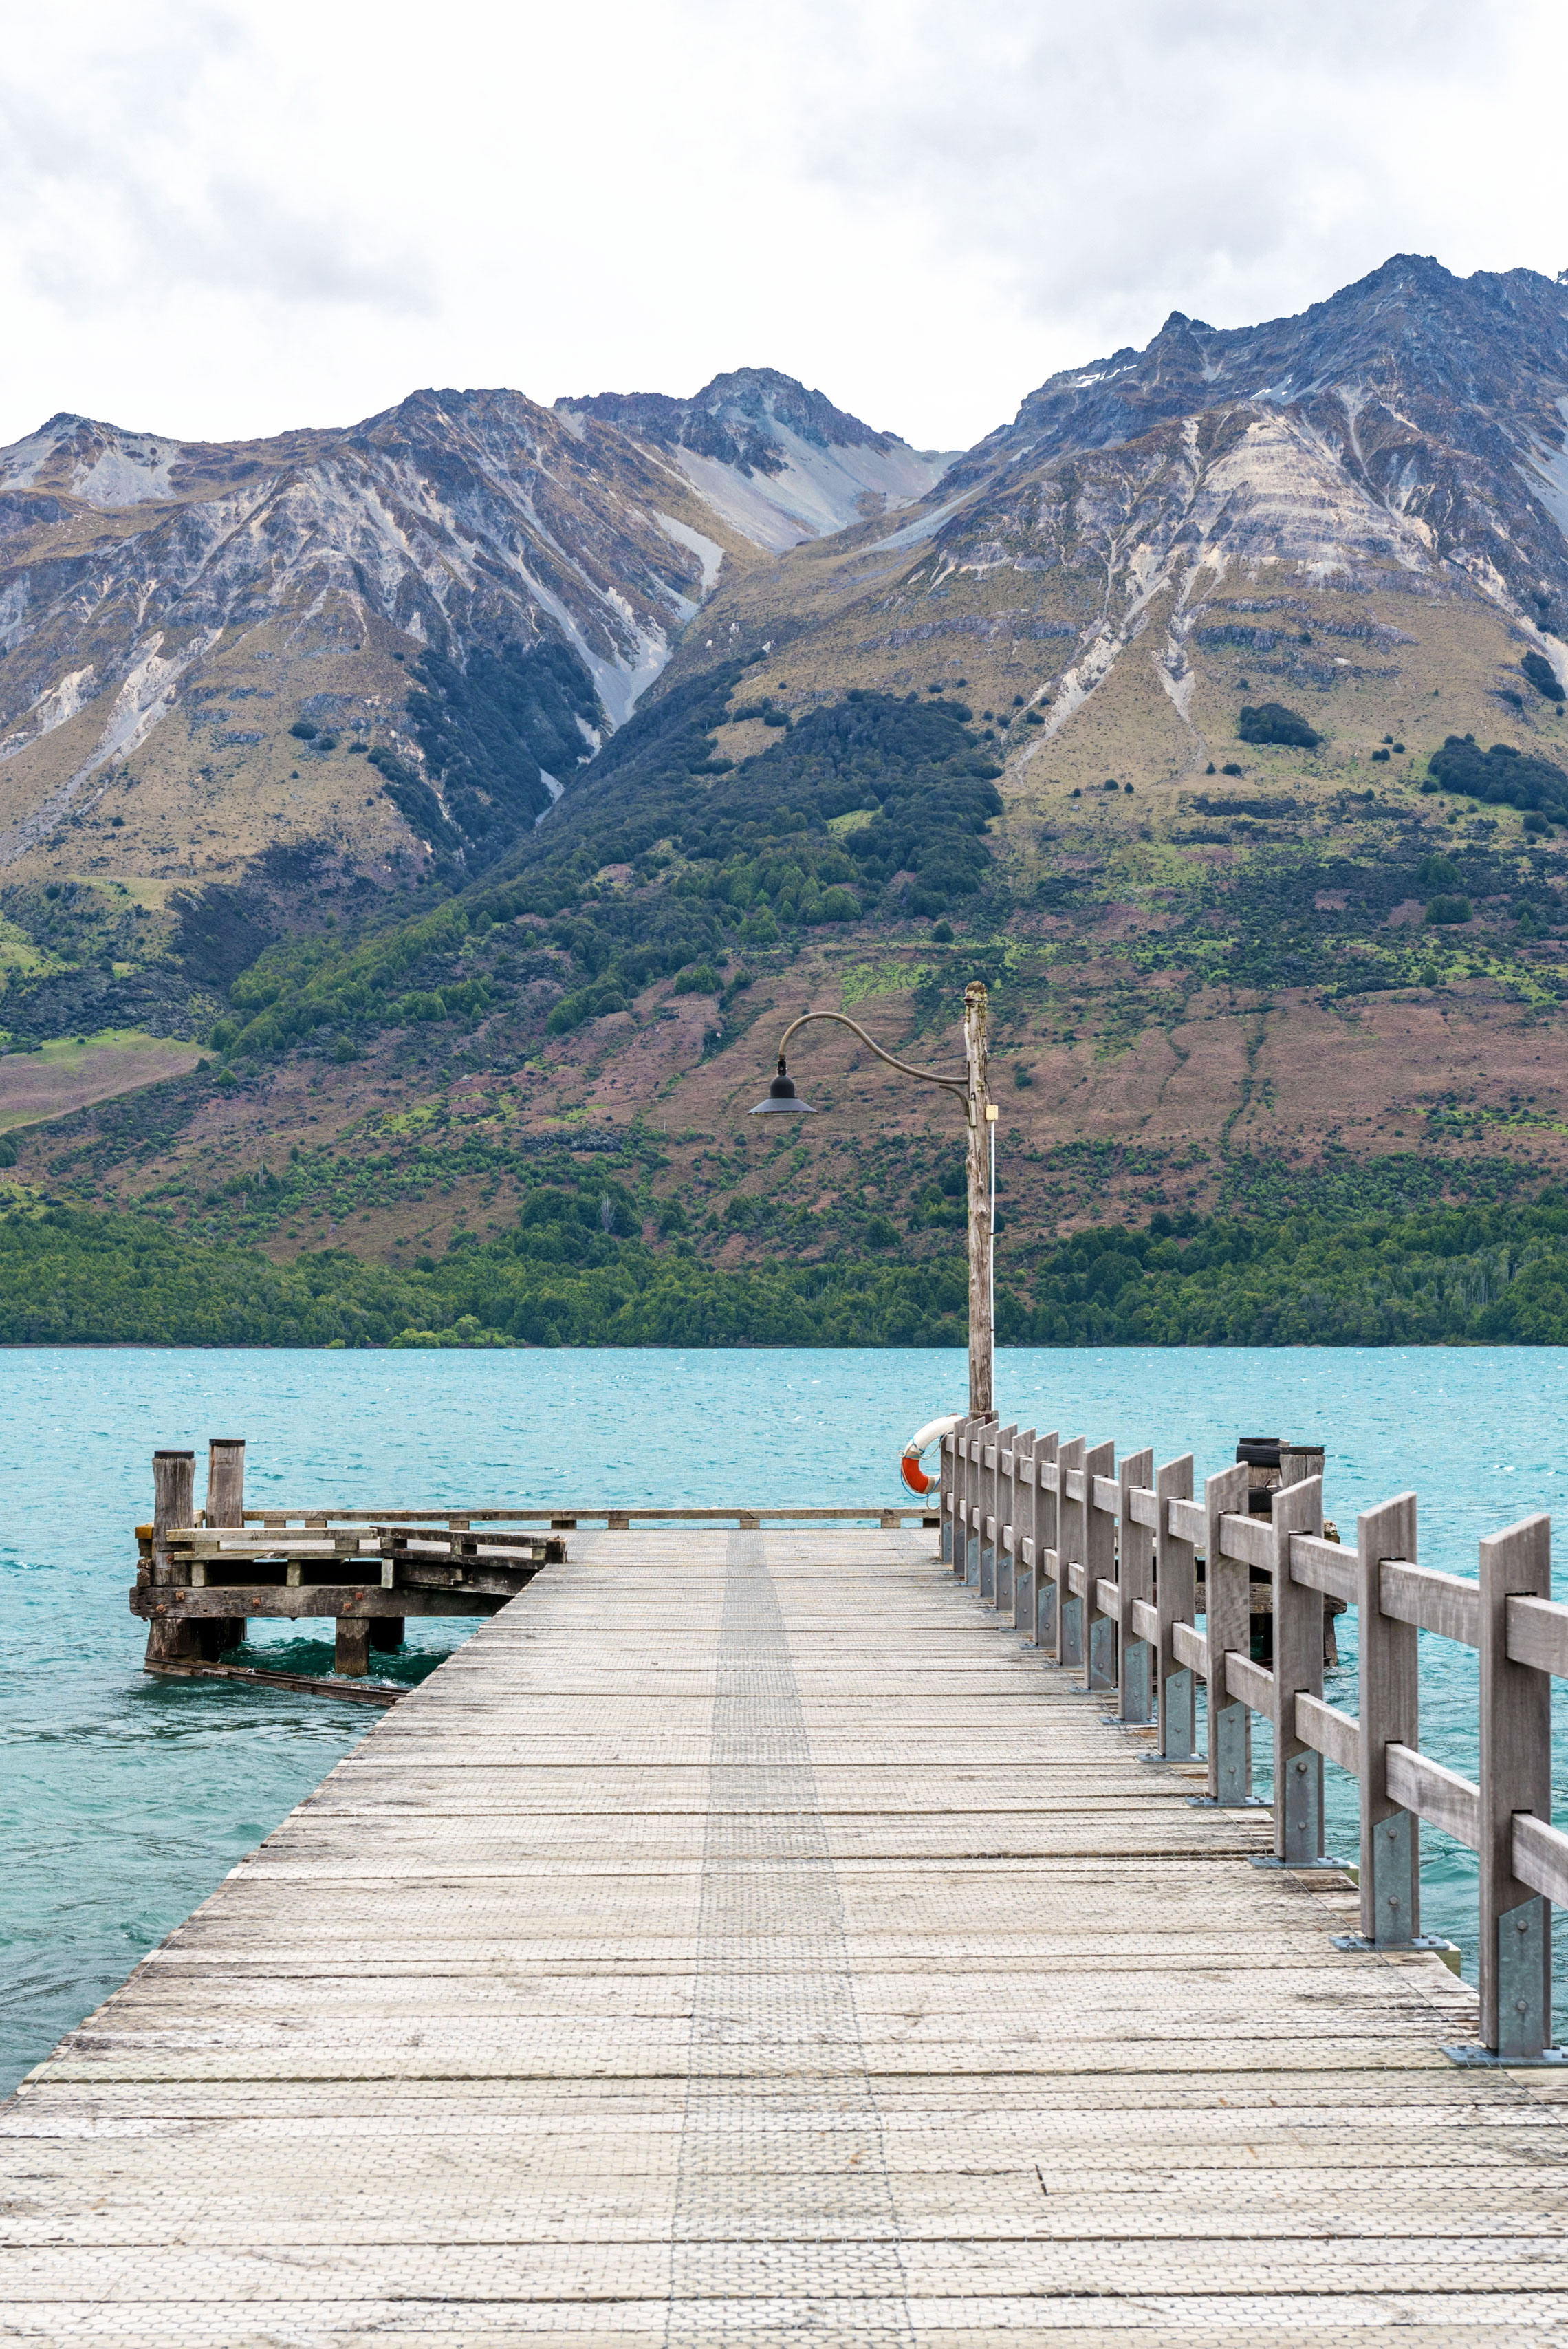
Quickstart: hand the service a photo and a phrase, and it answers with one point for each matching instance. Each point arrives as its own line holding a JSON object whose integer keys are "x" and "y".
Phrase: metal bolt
{"x": 1522, "y": 1924}
{"x": 1521, "y": 2006}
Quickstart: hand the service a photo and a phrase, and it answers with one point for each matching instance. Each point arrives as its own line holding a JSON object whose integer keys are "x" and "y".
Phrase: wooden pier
{"x": 756, "y": 1935}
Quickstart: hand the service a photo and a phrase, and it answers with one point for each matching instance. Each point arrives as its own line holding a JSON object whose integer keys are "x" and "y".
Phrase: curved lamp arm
{"x": 925, "y": 1076}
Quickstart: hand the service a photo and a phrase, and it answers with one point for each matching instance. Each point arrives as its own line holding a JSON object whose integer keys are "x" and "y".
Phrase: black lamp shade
{"x": 782, "y": 1101}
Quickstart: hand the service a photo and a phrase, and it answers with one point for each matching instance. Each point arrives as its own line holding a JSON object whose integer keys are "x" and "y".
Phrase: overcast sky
{"x": 221, "y": 217}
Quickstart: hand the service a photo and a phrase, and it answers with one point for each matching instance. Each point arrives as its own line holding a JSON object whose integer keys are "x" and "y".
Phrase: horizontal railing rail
{"x": 869, "y": 1513}
{"x": 1097, "y": 1567}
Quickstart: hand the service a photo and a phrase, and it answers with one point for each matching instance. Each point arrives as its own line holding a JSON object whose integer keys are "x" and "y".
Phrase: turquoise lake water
{"x": 126, "y": 1799}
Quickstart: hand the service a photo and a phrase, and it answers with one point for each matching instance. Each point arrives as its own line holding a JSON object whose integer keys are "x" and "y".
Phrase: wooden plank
{"x": 1537, "y": 1634}
{"x": 1248, "y": 1540}
{"x": 1434, "y": 1792}
{"x": 307, "y": 1684}
{"x": 1444, "y": 1603}
{"x": 1190, "y": 1648}
{"x": 1324, "y": 1566}
{"x": 1187, "y": 1520}
{"x": 1329, "y": 1731}
{"x": 694, "y": 1964}
{"x": 1540, "y": 1856}
{"x": 174, "y": 1605}
{"x": 1252, "y": 1683}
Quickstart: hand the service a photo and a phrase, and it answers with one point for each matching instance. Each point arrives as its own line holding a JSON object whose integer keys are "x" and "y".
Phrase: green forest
{"x": 566, "y": 1276}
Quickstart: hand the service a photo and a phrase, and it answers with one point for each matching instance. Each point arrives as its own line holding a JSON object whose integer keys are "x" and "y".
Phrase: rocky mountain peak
{"x": 780, "y": 461}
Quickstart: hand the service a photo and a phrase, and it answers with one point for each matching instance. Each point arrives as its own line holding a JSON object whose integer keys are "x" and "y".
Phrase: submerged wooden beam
{"x": 309, "y": 1684}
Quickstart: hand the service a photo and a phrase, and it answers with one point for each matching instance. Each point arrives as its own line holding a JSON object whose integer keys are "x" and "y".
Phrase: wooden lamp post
{"x": 980, "y": 1161}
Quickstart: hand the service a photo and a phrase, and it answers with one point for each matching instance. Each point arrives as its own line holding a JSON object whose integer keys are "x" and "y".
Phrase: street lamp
{"x": 980, "y": 1165}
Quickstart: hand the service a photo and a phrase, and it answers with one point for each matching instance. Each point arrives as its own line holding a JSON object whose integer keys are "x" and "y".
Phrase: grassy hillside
{"x": 1330, "y": 985}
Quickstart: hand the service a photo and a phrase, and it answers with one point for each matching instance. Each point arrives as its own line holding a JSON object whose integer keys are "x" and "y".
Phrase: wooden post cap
{"x": 174, "y": 1455}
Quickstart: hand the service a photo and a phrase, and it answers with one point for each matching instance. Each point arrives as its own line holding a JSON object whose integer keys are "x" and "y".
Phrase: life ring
{"x": 914, "y": 1474}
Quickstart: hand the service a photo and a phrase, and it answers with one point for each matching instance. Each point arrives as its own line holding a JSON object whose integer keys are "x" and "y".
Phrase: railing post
{"x": 1390, "y": 1715}
{"x": 1099, "y": 1565}
{"x": 1072, "y": 1550}
{"x": 1008, "y": 1514}
{"x": 947, "y": 1489}
{"x": 1297, "y": 1672}
{"x": 996, "y": 1439}
{"x": 1135, "y": 1578}
{"x": 974, "y": 1453}
{"x": 1515, "y": 1775}
{"x": 1228, "y": 1624}
{"x": 1175, "y": 1590}
{"x": 1048, "y": 1512}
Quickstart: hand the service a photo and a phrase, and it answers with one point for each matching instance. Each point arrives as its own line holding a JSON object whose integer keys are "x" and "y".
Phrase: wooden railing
{"x": 1097, "y": 1565}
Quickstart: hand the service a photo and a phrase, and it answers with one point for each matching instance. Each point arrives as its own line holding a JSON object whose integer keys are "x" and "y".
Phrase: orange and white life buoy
{"x": 914, "y": 1474}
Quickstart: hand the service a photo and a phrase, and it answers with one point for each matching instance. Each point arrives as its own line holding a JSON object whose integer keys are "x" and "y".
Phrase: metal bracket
{"x": 1295, "y": 1867}
{"x": 1481, "y": 2059}
{"x": 1137, "y": 1685}
{"x": 1523, "y": 1981}
{"x": 1358, "y": 1944}
{"x": 1231, "y": 1732}
{"x": 1176, "y": 1713}
{"x": 1046, "y": 1604}
{"x": 1101, "y": 1672}
{"x": 1302, "y": 1776}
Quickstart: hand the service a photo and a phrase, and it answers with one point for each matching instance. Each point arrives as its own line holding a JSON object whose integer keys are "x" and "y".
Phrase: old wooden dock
{"x": 749, "y": 1936}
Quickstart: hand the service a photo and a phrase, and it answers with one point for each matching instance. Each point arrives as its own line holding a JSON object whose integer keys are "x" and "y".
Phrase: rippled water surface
{"x": 126, "y": 1799}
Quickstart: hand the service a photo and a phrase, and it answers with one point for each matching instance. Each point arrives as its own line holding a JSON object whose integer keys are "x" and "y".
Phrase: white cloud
{"x": 232, "y": 218}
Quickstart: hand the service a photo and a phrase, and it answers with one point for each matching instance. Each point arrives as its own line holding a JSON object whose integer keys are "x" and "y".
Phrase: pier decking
{"x": 747, "y": 1937}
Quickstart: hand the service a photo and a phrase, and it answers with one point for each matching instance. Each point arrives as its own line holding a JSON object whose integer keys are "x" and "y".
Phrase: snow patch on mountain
{"x": 820, "y": 489}
{"x": 708, "y": 551}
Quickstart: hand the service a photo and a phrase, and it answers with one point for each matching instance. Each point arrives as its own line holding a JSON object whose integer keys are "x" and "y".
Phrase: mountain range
{"x": 1145, "y": 707}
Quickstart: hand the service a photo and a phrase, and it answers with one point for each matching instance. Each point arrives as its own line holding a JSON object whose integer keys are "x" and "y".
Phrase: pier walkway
{"x": 745, "y": 1937}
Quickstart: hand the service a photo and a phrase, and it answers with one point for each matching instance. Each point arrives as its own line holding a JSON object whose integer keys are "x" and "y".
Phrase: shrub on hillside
{"x": 1445, "y": 913}
{"x": 1502, "y": 775}
{"x": 837, "y": 905}
{"x": 1541, "y": 676}
{"x": 1271, "y": 721}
